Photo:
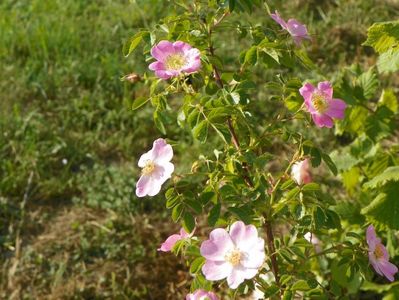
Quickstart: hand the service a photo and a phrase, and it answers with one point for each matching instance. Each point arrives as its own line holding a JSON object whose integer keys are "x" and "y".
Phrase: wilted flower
{"x": 300, "y": 172}
{"x": 321, "y": 104}
{"x": 236, "y": 255}
{"x": 174, "y": 59}
{"x": 297, "y": 30}
{"x": 132, "y": 77}
{"x": 172, "y": 240}
{"x": 201, "y": 295}
{"x": 378, "y": 255}
{"x": 156, "y": 168}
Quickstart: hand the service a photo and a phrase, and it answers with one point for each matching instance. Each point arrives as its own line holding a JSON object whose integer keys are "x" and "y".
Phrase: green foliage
{"x": 384, "y": 38}
{"x": 71, "y": 134}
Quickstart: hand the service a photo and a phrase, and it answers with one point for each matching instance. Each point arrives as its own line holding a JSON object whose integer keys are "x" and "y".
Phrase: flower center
{"x": 148, "y": 168}
{"x": 175, "y": 61}
{"x": 233, "y": 257}
{"x": 378, "y": 252}
{"x": 319, "y": 102}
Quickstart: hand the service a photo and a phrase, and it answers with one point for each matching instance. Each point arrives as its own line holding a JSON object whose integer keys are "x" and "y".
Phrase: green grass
{"x": 70, "y": 225}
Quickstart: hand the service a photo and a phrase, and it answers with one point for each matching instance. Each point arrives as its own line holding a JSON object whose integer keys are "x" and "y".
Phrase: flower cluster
{"x": 238, "y": 254}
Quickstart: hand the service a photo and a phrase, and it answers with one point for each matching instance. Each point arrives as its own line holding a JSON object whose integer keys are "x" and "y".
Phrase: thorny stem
{"x": 246, "y": 175}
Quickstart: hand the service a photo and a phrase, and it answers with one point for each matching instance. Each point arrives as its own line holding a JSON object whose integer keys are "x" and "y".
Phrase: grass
{"x": 71, "y": 227}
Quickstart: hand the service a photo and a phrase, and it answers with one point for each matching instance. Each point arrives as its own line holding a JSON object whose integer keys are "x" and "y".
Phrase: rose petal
{"x": 388, "y": 269}
{"x": 218, "y": 244}
{"x": 326, "y": 88}
{"x": 307, "y": 91}
{"x": 156, "y": 66}
{"x": 238, "y": 275}
{"x": 254, "y": 258}
{"x": 169, "y": 243}
{"x": 276, "y": 17}
{"x": 180, "y": 46}
{"x": 371, "y": 238}
{"x": 161, "y": 151}
{"x": 336, "y": 109}
{"x": 244, "y": 237}
{"x": 297, "y": 29}
{"x": 216, "y": 270}
{"x": 322, "y": 120}
{"x": 163, "y": 74}
{"x": 143, "y": 186}
{"x": 162, "y": 50}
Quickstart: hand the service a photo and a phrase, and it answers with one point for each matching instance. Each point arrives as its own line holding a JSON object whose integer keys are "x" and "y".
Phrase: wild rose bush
{"x": 302, "y": 171}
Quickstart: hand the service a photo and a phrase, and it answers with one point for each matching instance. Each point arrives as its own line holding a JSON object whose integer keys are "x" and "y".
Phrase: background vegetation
{"x": 70, "y": 224}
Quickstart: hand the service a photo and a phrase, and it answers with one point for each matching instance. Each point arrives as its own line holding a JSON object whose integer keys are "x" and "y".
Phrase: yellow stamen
{"x": 319, "y": 102}
{"x": 148, "y": 167}
{"x": 175, "y": 61}
{"x": 233, "y": 257}
{"x": 378, "y": 252}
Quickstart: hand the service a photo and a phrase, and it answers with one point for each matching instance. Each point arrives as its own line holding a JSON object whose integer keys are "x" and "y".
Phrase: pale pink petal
{"x": 296, "y": 28}
{"x": 157, "y": 178}
{"x": 184, "y": 234}
{"x": 162, "y": 50}
{"x": 276, "y": 17}
{"x": 143, "y": 186}
{"x": 244, "y": 237}
{"x": 144, "y": 158}
{"x": 163, "y": 74}
{"x": 235, "y": 278}
{"x": 193, "y": 61}
{"x": 371, "y": 238}
{"x": 374, "y": 263}
{"x": 322, "y": 120}
{"x": 336, "y": 109}
{"x": 170, "y": 242}
{"x": 156, "y": 66}
{"x": 161, "y": 151}
{"x": 201, "y": 295}
{"x": 326, "y": 88}
{"x": 388, "y": 269}
{"x": 154, "y": 187}
{"x": 255, "y": 258}
{"x": 238, "y": 275}
{"x": 168, "y": 169}
{"x": 307, "y": 91}
{"x": 180, "y": 46}
{"x": 216, "y": 270}
{"x": 217, "y": 246}
{"x": 385, "y": 254}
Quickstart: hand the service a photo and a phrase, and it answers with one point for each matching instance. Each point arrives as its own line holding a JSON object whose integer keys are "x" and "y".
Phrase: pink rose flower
{"x": 156, "y": 168}
{"x": 201, "y": 295}
{"x": 174, "y": 59}
{"x": 172, "y": 240}
{"x": 297, "y": 30}
{"x": 378, "y": 255}
{"x": 321, "y": 104}
{"x": 300, "y": 172}
{"x": 236, "y": 255}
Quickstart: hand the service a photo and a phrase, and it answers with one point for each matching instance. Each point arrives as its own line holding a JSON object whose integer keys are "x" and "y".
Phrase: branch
{"x": 236, "y": 144}
{"x": 246, "y": 175}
